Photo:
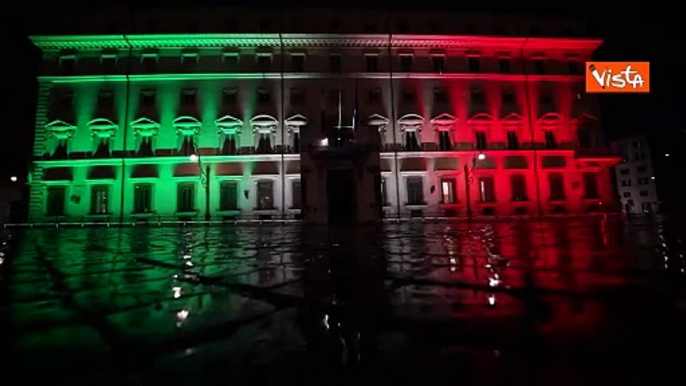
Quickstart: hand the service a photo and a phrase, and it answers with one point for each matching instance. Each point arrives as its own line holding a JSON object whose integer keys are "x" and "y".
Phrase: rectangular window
{"x": 63, "y": 101}
{"x": 508, "y": 96}
{"x": 512, "y": 140}
{"x": 231, "y": 60}
{"x": 474, "y": 64}
{"x": 557, "y": 186}
{"x": 546, "y": 99}
{"x": 550, "y": 141}
{"x": 295, "y": 195}
{"x": 624, "y": 172}
{"x": 448, "y": 191}
{"x": 641, "y": 169}
{"x": 409, "y": 95}
{"x": 573, "y": 67}
{"x": 100, "y": 199}
{"x": 263, "y": 95}
{"x": 264, "y": 144}
{"x": 229, "y": 96}
{"x": 626, "y": 183}
{"x": 187, "y": 145}
{"x": 371, "y": 63}
{"x": 230, "y": 145}
{"x": 297, "y": 96}
{"x": 415, "y": 191}
{"x": 264, "y": 62}
{"x": 297, "y": 62}
{"x": 486, "y": 189}
{"x": 626, "y": 194}
{"x": 68, "y": 64}
{"x": 590, "y": 185}
{"x": 439, "y": 63}
{"x": 480, "y": 140}
{"x": 265, "y": 194}
{"x": 228, "y": 195}
{"x": 149, "y": 63}
{"x": 188, "y": 97}
{"x": 504, "y": 65}
{"x": 142, "y": 198}
{"x": 189, "y": 62}
{"x": 147, "y": 98}
{"x": 108, "y": 63}
{"x": 106, "y": 99}
{"x": 441, "y": 95}
{"x": 406, "y": 63}
{"x": 477, "y": 97}
{"x": 55, "y": 200}
{"x": 643, "y": 181}
{"x": 384, "y": 192}
{"x": 643, "y": 193}
{"x": 185, "y": 197}
{"x": 375, "y": 96}
{"x": 539, "y": 66}
{"x": 583, "y": 136}
{"x": 518, "y": 186}
{"x": 335, "y": 63}
{"x": 444, "y": 141}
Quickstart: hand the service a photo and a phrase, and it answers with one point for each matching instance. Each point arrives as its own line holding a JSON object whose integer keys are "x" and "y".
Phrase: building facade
{"x": 635, "y": 176}
{"x": 366, "y": 116}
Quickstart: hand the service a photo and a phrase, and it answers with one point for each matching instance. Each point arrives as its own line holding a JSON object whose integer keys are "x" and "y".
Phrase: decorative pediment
{"x": 481, "y": 121}
{"x": 550, "y": 120}
{"x": 296, "y": 120}
{"x": 60, "y": 129}
{"x": 378, "y": 121}
{"x": 443, "y": 122}
{"x": 512, "y": 120}
{"x": 187, "y": 125}
{"x": 586, "y": 118}
{"x": 229, "y": 124}
{"x": 102, "y": 128}
{"x": 145, "y": 127}
{"x": 264, "y": 124}
{"x": 411, "y": 122}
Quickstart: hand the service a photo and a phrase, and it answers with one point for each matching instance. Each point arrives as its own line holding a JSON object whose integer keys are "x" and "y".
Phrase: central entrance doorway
{"x": 340, "y": 191}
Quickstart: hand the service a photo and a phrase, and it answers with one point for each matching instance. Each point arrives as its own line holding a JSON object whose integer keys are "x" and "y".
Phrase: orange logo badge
{"x": 617, "y": 77}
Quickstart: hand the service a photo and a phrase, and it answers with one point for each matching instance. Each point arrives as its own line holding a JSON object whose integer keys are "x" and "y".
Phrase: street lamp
{"x": 204, "y": 180}
{"x": 13, "y": 178}
{"x": 469, "y": 180}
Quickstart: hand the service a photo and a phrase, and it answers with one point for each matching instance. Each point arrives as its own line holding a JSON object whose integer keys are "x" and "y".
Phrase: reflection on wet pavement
{"x": 563, "y": 302}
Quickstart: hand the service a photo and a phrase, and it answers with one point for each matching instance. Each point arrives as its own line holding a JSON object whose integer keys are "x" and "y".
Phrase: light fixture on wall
{"x": 13, "y": 178}
{"x": 193, "y": 158}
{"x": 481, "y": 156}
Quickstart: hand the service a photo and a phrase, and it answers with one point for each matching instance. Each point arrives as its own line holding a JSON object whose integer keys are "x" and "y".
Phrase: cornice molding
{"x": 93, "y": 42}
{"x": 310, "y": 75}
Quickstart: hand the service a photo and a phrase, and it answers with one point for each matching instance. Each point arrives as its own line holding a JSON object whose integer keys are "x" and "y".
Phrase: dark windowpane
{"x": 186, "y": 198}
{"x": 335, "y": 63}
{"x": 486, "y": 189}
{"x": 590, "y": 185}
{"x": 439, "y": 63}
{"x": 265, "y": 195}
{"x": 228, "y": 195}
{"x": 448, "y": 191}
{"x": 504, "y": 65}
{"x": 518, "y": 185}
{"x": 481, "y": 140}
{"x": 56, "y": 196}
{"x": 100, "y": 199}
{"x": 372, "y": 63}
{"x": 406, "y": 63}
{"x": 557, "y": 187}
{"x": 142, "y": 198}
{"x": 474, "y": 64}
{"x": 295, "y": 195}
{"x": 415, "y": 191}
{"x": 512, "y": 140}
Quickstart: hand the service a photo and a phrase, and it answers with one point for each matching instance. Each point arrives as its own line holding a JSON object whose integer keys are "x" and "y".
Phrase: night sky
{"x": 633, "y": 31}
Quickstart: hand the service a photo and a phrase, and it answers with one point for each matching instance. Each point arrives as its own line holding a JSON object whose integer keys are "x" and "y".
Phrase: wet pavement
{"x": 565, "y": 302}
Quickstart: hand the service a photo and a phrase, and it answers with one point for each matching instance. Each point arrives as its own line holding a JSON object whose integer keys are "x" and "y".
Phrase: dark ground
{"x": 563, "y": 302}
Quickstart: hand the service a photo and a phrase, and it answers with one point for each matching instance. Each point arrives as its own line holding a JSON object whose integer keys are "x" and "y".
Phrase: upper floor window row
{"x": 189, "y": 60}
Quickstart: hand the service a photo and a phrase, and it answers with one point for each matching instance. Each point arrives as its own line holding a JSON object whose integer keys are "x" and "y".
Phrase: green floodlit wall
{"x": 168, "y": 87}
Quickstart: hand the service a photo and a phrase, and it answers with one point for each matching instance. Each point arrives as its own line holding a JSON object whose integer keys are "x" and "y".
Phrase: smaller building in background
{"x": 635, "y": 176}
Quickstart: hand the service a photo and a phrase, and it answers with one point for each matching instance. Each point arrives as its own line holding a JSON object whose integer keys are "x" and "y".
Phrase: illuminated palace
{"x": 316, "y": 115}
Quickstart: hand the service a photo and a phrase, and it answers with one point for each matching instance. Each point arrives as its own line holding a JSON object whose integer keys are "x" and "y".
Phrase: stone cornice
{"x": 94, "y": 42}
{"x": 312, "y": 75}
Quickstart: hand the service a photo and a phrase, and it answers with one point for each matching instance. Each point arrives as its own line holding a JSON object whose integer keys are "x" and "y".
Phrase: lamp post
{"x": 204, "y": 180}
{"x": 468, "y": 181}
